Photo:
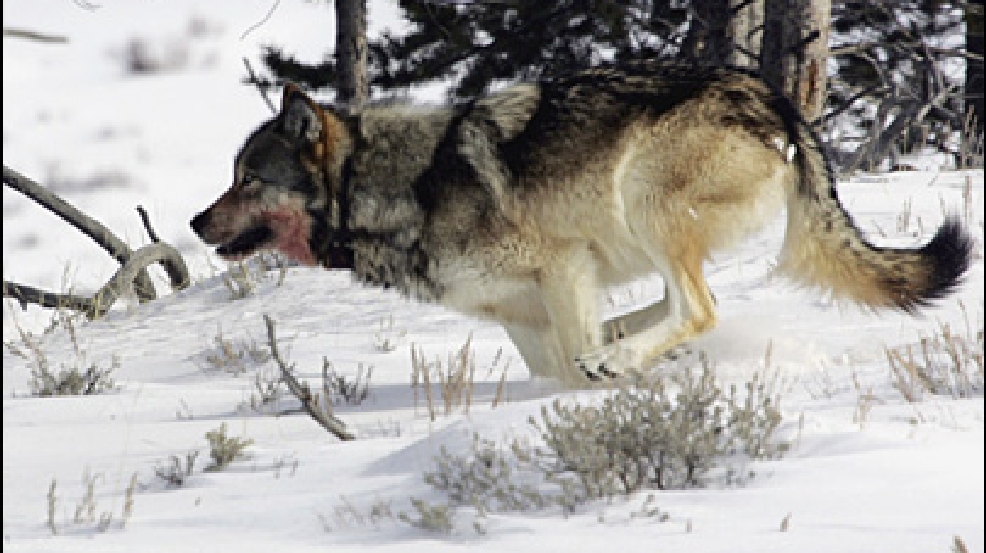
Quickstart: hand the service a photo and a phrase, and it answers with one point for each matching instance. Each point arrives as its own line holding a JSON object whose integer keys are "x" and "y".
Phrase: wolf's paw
{"x": 606, "y": 363}
{"x": 682, "y": 352}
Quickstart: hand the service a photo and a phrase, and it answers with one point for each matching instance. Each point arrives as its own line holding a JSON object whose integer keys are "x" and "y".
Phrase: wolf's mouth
{"x": 247, "y": 242}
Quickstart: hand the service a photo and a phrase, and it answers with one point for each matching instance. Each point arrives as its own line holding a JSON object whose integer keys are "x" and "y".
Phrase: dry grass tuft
{"x": 945, "y": 363}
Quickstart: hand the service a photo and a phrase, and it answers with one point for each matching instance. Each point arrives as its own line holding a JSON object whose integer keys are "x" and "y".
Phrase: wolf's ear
{"x": 510, "y": 110}
{"x": 322, "y": 135}
{"x": 301, "y": 117}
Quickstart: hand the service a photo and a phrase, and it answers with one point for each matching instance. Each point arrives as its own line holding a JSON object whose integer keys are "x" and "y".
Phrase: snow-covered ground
{"x": 869, "y": 470}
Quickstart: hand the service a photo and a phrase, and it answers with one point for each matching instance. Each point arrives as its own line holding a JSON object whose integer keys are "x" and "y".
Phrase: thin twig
{"x": 147, "y": 224}
{"x": 256, "y": 80}
{"x": 257, "y": 25}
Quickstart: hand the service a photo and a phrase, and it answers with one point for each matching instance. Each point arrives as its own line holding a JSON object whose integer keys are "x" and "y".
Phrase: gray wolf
{"x": 523, "y": 205}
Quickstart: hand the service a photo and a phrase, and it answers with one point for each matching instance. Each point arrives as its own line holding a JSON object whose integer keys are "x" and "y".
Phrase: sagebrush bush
{"x": 434, "y": 518}
{"x": 243, "y": 278}
{"x": 350, "y": 390}
{"x": 651, "y": 433}
{"x": 178, "y": 471}
{"x": 493, "y": 478}
{"x": 235, "y": 357}
{"x": 224, "y": 449}
{"x": 72, "y": 381}
{"x": 80, "y": 377}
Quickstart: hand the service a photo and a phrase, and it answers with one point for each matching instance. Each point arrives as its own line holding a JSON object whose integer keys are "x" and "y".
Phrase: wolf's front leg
{"x": 570, "y": 291}
{"x": 541, "y": 351}
{"x": 527, "y": 322}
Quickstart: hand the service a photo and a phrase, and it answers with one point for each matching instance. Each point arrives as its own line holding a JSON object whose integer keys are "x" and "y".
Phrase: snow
{"x": 869, "y": 471}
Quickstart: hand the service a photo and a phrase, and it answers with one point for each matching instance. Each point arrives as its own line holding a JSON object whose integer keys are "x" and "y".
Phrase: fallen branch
{"x": 25, "y": 295}
{"x": 301, "y": 390}
{"x": 120, "y": 284}
{"x": 95, "y": 230}
{"x": 131, "y": 278}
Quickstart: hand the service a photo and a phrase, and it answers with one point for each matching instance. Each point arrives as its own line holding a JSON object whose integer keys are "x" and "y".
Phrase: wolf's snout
{"x": 200, "y": 222}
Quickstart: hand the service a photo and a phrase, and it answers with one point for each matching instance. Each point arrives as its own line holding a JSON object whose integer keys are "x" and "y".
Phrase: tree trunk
{"x": 778, "y": 64}
{"x": 974, "y": 67}
{"x": 709, "y": 35}
{"x": 351, "y": 52}
{"x": 794, "y": 51}
{"x": 813, "y": 84}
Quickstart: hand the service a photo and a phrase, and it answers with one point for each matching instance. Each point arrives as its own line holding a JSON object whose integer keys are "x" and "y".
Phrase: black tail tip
{"x": 949, "y": 254}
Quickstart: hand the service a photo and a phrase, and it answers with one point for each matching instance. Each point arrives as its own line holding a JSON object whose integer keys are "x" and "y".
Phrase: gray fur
{"x": 508, "y": 111}
{"x": 396, "y": 145}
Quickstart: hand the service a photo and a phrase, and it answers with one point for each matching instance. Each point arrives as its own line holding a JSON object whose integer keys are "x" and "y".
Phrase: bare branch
{"x": 858, "y": 47}
{"x": 144, "y": 218}
{"x": 257, "y": 25}
{"x": 9, "y": 32}
{"x": 95, "y": 230}
{"x": 123, "y": 282}
{"x": 130, "y": 278}
{"x": 173, "y": 265}
{"x": 120, "y": 284}
{"x": 303, "y": 392}
{"x": 868, "y": 91}
{"x": 30, "y": 295}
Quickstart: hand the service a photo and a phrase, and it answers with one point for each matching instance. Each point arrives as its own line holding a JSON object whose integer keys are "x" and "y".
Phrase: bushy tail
{"x": 824, "y": 248}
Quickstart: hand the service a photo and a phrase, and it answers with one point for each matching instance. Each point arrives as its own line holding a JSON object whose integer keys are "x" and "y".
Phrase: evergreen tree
{"x": 893, "y": 82}
{"x": 476, "y": 43}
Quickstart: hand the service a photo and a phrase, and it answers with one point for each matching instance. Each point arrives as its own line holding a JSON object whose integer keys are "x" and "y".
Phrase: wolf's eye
{"x": 251, "y": 183}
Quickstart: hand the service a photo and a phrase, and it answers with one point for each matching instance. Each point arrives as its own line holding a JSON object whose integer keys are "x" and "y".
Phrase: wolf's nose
{"x": 199, "y": 222}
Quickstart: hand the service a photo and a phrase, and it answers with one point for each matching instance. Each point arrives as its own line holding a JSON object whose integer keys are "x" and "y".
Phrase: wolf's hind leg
{"x": 690, "y": 312}
{"x": 635, "y": 321}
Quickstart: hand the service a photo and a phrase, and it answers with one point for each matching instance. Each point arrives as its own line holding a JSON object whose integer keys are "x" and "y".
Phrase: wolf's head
{"x": 286, "y": 179}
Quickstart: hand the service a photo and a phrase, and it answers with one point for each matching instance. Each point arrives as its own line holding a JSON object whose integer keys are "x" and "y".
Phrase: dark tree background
{"x": 891, "y": 83}
{"x": 898, "y": 84}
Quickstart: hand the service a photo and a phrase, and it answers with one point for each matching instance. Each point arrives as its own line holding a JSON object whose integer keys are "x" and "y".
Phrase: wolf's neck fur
{"x": 392, "y": 148}
{"x": 389, "y": 265}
